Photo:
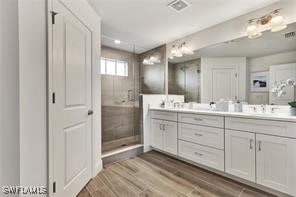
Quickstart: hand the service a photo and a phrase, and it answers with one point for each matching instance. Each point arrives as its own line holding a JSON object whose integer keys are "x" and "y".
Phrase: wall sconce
{"x": 274, "y": 19}
{"x": 179, "y": 50}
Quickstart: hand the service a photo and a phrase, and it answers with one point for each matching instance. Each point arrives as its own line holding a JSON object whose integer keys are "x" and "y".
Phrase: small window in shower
{"x": 114, "y": 67}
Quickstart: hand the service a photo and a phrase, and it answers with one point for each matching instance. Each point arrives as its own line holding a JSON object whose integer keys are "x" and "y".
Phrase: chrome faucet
{"x": 263, "y": 108}
{"x": 273, "y": 109}
{"x": 254, "y": 108}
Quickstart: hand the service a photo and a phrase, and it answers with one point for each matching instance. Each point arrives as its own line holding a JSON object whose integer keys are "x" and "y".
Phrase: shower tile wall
{"x": 120, "y": 117}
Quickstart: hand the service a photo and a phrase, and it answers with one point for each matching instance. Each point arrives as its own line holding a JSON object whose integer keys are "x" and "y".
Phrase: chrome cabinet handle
{"x": 160, "y": 128}
{"x": 259, "y": 145}
{"x": 198, "y": 134}
{"x": 163, "y": 127}
{"x": 199, "y": 154}
{"x": 251, "y": 144}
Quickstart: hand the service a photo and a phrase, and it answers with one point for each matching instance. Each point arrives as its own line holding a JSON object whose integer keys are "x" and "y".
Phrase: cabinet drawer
{"x": 172, "y": 116}
{"x": 209, "y": 136}
{"x": 269, "y": 127}
{"x": 201, "y": 154}
{"x": 213, "y": 121}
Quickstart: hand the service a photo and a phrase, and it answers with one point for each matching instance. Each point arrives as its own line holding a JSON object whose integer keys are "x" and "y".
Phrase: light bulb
{"x": 178, "y": 53}
{"x": 252, "y": 30}
{"x": 173, "y": 51}
{"x": 185, "y": 50}
{"x": 117, "y": 41}
{"x": 154, "y": 59}
{"x": 147, "y": 62}
{"x": 277, "y": 23}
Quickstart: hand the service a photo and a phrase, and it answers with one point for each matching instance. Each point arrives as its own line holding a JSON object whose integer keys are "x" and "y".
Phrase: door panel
{"x": 156, "y": 133}
{"x": 240, "y": 154}
{"x": 76, "y": 65}
{"x": 276, "y": 163}
{"x": 72, "y": 87}
{"x": 75, "y": 149}
{"x": 170, "y": 137}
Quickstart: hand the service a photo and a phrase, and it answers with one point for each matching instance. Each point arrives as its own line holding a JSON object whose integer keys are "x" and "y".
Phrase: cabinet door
{"x": 156, "y": 133}
{"x": 276, "y": 163}
{"x": 240, "y": 154}
{"x": 170, "y": 137}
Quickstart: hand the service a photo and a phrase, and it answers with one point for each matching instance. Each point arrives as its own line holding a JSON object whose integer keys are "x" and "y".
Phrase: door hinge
{"x": 53, "y": 97}
{"x": 54, "y": 187}
{"x": 53, "y": 14}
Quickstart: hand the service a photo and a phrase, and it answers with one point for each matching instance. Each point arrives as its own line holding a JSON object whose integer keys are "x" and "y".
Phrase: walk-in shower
{"x": 120, "y": 98}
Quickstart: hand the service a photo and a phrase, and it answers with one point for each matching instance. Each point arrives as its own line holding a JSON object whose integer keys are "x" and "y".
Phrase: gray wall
{"x": 9, "y": 94}
{"x": 262, "y": 64}
{"x": 152, "y": 79}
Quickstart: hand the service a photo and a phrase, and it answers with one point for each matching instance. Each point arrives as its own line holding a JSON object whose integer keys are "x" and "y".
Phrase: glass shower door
{"x": 120, "y": 103}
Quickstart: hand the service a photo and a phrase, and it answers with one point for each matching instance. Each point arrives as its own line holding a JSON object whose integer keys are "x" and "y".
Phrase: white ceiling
{"x": 269, "y": 43}
{"x": 150, "y": 23}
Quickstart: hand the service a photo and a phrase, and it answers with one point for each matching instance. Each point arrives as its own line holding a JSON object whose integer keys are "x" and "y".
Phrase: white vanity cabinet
{"x": 164, "y": 132}
{"x": 272, "y": 143}
{"x": 276, "y": 163}
{"x": 240, "y": 154}
{"x": 259, "y": 150}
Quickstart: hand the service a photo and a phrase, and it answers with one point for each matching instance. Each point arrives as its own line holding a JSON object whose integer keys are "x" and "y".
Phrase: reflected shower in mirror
{"x": 241, "y": 69}
{"x": 184, "y": 79}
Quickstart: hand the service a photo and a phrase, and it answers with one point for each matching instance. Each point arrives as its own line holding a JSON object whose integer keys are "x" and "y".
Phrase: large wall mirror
{"x": 241, "y": 69}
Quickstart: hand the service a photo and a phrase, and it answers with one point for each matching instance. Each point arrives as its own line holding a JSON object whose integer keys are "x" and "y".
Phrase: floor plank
{"x": 103, "y": 192}
{"x": 113, "y": 182}
{"x": 154, "y": 174}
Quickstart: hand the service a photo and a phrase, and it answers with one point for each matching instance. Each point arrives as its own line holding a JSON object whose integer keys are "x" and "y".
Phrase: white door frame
{"x": 83, "y": 11}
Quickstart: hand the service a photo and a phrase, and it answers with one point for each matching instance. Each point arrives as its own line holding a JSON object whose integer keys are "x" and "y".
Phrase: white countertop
{"x": 264, "y": 116}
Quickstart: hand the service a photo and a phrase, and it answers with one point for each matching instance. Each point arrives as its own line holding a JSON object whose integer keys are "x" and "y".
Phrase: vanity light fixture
{"x": 274, "y": 19}
{"x": 179, "y": 50}
{"x": 151, "y": 60}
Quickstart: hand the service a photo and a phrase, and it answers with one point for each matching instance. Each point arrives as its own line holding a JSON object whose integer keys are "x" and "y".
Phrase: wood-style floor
{"x": 155, "y": 174}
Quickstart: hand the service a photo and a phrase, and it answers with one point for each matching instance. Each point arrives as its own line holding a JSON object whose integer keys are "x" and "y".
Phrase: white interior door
{"x": 224, "y": 84}
{"x": 72, "y": 87}
{"x": 282, "y": 73}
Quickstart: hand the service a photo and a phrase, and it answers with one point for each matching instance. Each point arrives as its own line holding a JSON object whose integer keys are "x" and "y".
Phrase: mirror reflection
{"x": 244, "y": 69}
